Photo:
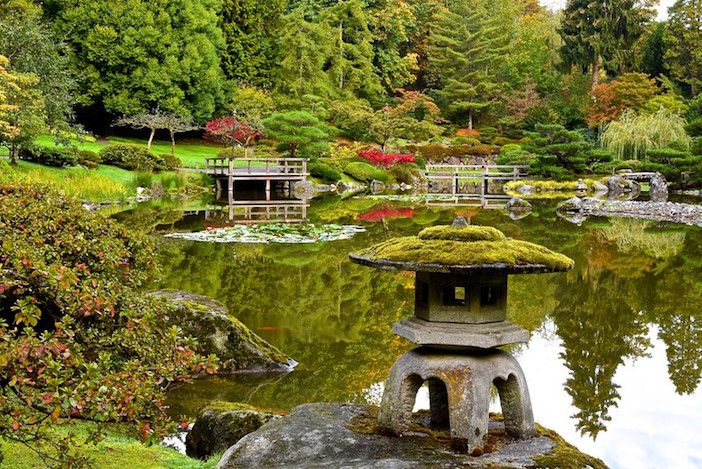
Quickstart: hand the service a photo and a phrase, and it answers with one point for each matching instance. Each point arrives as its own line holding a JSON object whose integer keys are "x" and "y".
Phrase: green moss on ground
{"x": 467, "y": 233}
{"x": 509, "y": 252}
{"x": 565, "y": 455}
{"x": 118, "y": 450}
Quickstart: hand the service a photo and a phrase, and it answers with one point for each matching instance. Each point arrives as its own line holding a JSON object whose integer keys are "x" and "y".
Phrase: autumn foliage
{"x": 386, "y": 160}
{"x": 229, "y": 130}
{"x": 610, "y": 100}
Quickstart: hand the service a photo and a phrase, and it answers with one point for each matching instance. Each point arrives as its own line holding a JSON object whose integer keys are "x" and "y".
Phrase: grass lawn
{"x": 117, "y": 451}
{"x": 192, "y": 153}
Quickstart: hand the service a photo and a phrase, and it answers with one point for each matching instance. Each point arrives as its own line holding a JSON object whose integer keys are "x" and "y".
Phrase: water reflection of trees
{"x": 635, "y": 275}
{"x": 335, "y": 317}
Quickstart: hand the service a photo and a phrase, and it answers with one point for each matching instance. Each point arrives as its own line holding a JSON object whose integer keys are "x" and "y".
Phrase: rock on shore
{"x": 345, "y": 435}
{"x": 218, "y": 332}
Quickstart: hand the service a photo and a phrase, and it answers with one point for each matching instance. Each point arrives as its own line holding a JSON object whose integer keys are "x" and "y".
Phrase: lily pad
{"x": 273, "y": 233}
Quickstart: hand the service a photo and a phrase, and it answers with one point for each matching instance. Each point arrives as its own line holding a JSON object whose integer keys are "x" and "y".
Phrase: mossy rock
{"x": 466, "y": 233}
{"x": 462, "y": 249}
{"x": 564, "y": 454}
{"x": 221, "y": 425}
{"x": 219, "y": 333}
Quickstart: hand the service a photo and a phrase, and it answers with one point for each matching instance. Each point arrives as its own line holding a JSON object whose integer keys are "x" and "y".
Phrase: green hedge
{"x": 50, "y": 156}
{"x": 324, "y": 172}
{"x": 365, "y": 172}
{"x": 137, "y": 158}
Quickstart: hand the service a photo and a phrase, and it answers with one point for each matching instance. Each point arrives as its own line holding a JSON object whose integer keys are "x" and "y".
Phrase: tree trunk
{"x": 470, "y": 119}
{"x": 293, "y": 150}
{"x": 170, "y": 132}
{"x": 13, "y": 154}
{"x": 595, "y": 71}
{"x": 151, "y": 139}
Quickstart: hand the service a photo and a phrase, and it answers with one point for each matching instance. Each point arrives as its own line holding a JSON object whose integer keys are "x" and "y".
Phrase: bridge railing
{"x": 256, "y": 166}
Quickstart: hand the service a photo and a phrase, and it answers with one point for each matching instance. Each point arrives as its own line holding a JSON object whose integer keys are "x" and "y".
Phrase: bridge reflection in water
{"x": 251, "y": 212}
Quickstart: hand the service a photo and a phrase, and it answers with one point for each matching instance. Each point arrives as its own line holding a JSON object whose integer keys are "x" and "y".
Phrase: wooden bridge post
{"x": 455, "y": 182}
{"x": 230, "y": 180}
{"x": 484, "y": 185}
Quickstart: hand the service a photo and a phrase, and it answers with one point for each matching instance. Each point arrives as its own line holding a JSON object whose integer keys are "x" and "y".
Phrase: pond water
{"x": 615, "y": 357}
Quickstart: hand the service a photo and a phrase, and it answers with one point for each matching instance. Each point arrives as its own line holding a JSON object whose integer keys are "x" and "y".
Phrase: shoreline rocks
{"x": 347, "y": 435}
{"x": 657, "y": 211}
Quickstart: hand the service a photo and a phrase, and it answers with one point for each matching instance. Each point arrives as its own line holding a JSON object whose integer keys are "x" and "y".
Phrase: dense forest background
{"x": 483, "y": 63}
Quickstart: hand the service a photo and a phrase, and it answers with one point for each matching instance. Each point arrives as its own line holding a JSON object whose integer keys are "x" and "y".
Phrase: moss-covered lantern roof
{"x": 462, "y": 248}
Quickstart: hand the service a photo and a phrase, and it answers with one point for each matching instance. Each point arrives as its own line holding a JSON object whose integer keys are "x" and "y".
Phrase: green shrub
{"x": 50, "y": 156}
{"x": 694, "y": 128}
{"x": 132, "y": 157}
{"x": 665, "y": 155}
{"x": 89, "y": 159}
{"x": 513, "y": 153}
{"x": 341, "y": 155}
{"x": 324, "y": 172}
{"x": 173, "y": 181}
{"x": 143, "y": 179}
{"x": 365, "y": 173}
{"x": 488, "y": 134}
{"x": 439, "y": 152}
{"x": 696, "y": 146}
{"x": 464, "y": 140}
{"x": 502, "y": 141}
{"x": 232, "y": 152}
{"x": 404, "y": 173}
{"x": 170, "y": 162}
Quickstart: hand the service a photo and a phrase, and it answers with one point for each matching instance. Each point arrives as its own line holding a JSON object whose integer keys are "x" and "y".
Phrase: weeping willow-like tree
{"x": 633, "y": 134}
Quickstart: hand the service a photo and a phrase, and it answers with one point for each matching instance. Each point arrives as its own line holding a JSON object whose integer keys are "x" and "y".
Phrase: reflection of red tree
{"x": 378, "y": 213}
{"x": 380, "y": 158}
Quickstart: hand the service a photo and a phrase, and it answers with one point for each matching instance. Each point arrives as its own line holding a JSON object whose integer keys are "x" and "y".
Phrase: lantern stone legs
{"x": 459, "y": 393}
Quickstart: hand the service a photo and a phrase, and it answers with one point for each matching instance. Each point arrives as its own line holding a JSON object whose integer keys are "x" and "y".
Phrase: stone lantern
{"x": 460, "y": 319}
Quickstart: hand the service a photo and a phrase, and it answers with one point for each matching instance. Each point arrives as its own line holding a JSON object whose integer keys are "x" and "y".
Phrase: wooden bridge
{"x": 269, "y": 170}
{"x": 484, "y": 174}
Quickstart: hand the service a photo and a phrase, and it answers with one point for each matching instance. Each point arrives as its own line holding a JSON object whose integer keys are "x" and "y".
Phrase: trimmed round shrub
{"x": 665, "y": 155}
{"x": 89, "y": 159}
{"x": 324, "y": 172}
{"x": 232, "y": 152}
{"x": 488, "y": 134}
{"x": 50, "y": 156}
{"x": 170, "y": 162}
{"x": 131, "y": 157}
{"x": 365, "y": 172}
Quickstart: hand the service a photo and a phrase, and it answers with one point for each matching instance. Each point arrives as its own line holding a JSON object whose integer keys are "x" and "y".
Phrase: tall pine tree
{"x": 301, "y": 63}
{"x": 466, "y": 48}
{"x": 602, "y": 32}
{"x": 351, "y": 61}
{"x": 250, "y": 30}
{"x": 684, "y": 43}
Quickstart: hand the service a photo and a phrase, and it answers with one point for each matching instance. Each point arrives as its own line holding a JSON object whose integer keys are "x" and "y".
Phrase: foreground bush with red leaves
{"x": 77, "y": 338}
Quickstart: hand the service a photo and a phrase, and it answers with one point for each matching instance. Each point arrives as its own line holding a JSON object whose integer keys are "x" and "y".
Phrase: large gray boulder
{"x": 618, "y": 186}
{"x": 345, "y": 435}
{"x": 218, "y": 332}
{"x": 220, "y": 426}
{"x": 658, "y": 191}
